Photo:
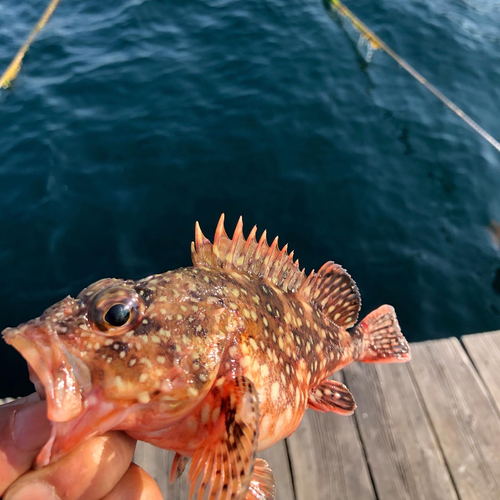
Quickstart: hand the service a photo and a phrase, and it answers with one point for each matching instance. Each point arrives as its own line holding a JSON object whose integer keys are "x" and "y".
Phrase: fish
{"x": 214, "y": 362}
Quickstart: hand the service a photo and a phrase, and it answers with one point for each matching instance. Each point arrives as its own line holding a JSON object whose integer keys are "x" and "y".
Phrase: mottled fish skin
{"x": 279, "y": 343}
{"x": 214, "y": 362}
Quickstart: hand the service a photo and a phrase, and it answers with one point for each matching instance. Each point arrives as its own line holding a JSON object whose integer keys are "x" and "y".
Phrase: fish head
{"x": 122, "y": 355}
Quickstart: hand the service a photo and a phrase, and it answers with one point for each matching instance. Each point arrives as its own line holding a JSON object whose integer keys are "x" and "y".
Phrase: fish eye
{"x": 118, "y": 315}
{"x": 115, "y": 310}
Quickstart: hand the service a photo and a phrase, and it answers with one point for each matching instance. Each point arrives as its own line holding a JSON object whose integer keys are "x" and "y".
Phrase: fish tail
{"x": 382, "y": 340}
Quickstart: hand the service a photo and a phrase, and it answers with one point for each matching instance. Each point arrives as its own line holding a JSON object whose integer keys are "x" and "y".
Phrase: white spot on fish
{"x": 205, "y": 414}
{"x": 143, "y": 397}
{"x": 215, "y": 414}
{"x": 245, "y": 361}
{"x": 275, "y": 391}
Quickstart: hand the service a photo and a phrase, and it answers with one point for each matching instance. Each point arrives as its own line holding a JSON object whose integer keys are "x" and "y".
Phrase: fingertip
{"x": 89, "y": 472}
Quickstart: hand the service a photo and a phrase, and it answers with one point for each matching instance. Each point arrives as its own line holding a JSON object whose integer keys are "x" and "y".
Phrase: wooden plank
{"x": 484, "y": 349}
{"x": 327, "y": 459}
{"x": 402, "y": 451}
{"x": 462, "y": 414}
{"x": 277, "y": 457}
{"x": 157, "y": 463}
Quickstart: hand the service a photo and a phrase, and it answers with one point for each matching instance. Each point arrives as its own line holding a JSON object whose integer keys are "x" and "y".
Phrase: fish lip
{"x": 56, "y": 374}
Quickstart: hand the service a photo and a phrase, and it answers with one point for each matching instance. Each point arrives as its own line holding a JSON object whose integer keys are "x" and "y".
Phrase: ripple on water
{"x": 131, "y": 119}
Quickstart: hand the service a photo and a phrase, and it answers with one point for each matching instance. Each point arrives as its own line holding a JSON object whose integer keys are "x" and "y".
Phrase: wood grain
{"x": 402, "y": 451}
{"x": 484, "y": 349}
{"x": 277, "y": 457}
{"x": 157, "y": 463}
{"x": 462, "y": 415}
{"x": 327, "y": 459}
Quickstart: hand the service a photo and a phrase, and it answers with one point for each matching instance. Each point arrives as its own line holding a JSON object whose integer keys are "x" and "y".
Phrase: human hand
{"x": 98, "y": 469}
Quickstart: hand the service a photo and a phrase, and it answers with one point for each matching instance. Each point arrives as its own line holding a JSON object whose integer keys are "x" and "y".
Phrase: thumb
{"x": 24, "y": 429}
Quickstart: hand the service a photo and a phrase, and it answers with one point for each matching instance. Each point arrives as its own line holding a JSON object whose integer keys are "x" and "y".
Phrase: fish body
{"x": 214, "y": 362}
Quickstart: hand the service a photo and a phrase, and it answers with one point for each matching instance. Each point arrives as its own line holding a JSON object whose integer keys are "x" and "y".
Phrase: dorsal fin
{"x": 248, "y": 256}
{"x": 334, "y": 293}
{"x": 331, "y": 290}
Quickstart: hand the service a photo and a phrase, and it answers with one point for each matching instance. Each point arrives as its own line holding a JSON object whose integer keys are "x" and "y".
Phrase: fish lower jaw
{"x": 53, "y": 377}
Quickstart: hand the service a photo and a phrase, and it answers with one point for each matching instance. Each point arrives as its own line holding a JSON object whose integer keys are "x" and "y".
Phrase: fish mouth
{"x": 75, "y": 410}
{"x": 58, "y": 376}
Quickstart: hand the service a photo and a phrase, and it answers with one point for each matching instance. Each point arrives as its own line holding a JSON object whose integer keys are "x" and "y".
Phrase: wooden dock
{"x": 428, "y": 429}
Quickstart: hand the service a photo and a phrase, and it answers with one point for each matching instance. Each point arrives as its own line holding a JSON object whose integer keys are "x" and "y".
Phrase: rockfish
{"x": 214, "y": 362}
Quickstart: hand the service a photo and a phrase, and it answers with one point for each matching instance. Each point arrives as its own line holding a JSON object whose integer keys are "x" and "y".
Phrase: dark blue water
{"x": 131, "y": 119}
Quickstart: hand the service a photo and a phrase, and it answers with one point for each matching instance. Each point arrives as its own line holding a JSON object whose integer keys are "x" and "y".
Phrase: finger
{"x": 136, "y": 484}
{"x": 24, "y": 429}
{"x": 89, "y": 472}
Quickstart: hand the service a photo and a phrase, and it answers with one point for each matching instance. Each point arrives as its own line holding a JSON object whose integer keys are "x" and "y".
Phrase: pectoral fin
{"x": 178, "y": 465}
{"x": 332, "y": 396}
{"x": 222, "y": 467}
{"x": 262, "y": 486}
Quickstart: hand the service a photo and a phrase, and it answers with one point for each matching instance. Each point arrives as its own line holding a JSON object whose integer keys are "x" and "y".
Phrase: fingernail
{"x": 31, "y": 428}
{"x": 32, "y": 491}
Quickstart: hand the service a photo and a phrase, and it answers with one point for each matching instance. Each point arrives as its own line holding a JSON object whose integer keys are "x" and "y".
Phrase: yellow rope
{"x": 14, "y": 67}
{"x": 377, "y": 43}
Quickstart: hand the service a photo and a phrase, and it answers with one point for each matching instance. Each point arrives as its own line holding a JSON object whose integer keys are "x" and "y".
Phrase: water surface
{"x": 133, "y": 118}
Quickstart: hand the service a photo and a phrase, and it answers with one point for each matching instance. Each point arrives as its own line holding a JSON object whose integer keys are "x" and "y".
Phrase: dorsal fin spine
{"x": 220, "y": 235}
{"x": 201, "y": 248}
{"x": 249, "y": 248}
{"x": 194, "y": 255}
{"x": 199, "y": 237}
{"x": 220, "y": 230}
{"x": 297, "y": 277}
{"x": 255, "y": 264}
{"x": 287, "y": 274}
{"x": 269, "y": 259}
{"x": 237, "y": 235}
{"x": 260, "y": 259}
{"x": 306, "y": 287}
{"x": 251, "y": 238}
{"x": 280, "y": 264}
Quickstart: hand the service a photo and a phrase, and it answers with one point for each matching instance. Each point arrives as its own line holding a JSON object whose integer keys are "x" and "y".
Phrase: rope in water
{"x": 377, "y": 43}
{"x": 11, "y": 72}
{"x": 13, "y": 69}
